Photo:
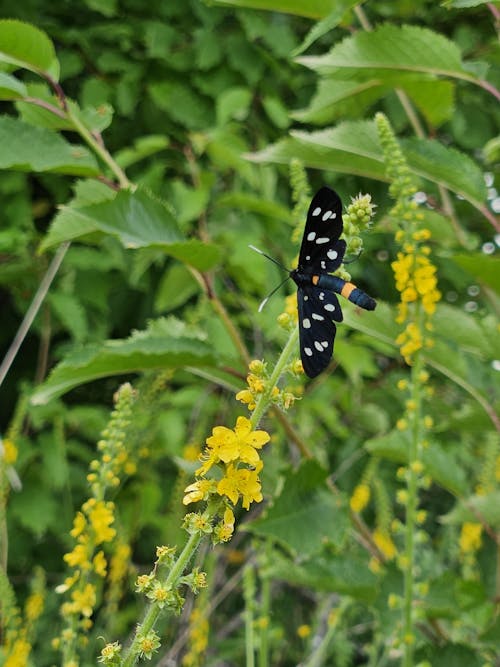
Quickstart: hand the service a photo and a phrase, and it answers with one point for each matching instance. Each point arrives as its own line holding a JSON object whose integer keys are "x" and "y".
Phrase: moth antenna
{"x": 275, "y": 261}
{"x": 263, "y": 303}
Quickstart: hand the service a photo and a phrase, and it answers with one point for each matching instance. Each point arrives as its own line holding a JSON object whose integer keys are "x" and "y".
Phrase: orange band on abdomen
{"x": 347, "y": 290}
{"x": 315, "y": 280}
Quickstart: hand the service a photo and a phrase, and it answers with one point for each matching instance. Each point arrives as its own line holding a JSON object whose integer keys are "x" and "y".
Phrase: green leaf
{"x": 314, "y": 9}
{"x": 142, "y": 148}
{"x": 435, "y": 99}
{"x": 461, "y": 4}
{"x": 458, "y": 655}
{"x": 11, "y": 88}
{"x": 438, "y": 463}
{"x": 353, "y": 147}
{"x": 137, "y": 221}
{"x": 233, "y": 103}
{"x": 29, "y": 148}
{"x": 390, "y": 48}
{"x": 242, "y": 201}
{"x": 448, "y": 167}
{"x": 474, "y": 508}
{"x": 335, "y": 99}
{"x": 305, "y": 501}
{"x": 483, "y": 268}
{"x": 331, "y": 573}
{"x": 324, "y": 26}
{"x": 23, "y": 45}
{"x": 167, "y": 343}
{"x": 176, "y": 287}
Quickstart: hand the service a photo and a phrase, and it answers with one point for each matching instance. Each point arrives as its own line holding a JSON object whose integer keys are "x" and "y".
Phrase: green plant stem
{"x": 249, "y": 594}
{"x": 265, "y": 398}
{"x": 154, "y": 610}
{"x": 265, "y": 607}
{"x": 411, "y": 508}
{"x": 99, "y": 149}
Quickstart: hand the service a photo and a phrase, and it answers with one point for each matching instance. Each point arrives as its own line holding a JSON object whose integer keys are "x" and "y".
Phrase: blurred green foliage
{"x": 204, "y": 105}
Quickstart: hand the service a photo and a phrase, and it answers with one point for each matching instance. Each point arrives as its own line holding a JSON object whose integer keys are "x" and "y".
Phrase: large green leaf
{"x": 336, "y": 98}
{"x": 29, "y": 148}
{"x": 315, "y": 9}
{"x": 353, "y": 147}
{"x": 23, "y": 45}
{"x": 390, "y": 48}
{"x": 305, "y": 501}
{"x": 166, "y": 344}
{"x": 137, "y": 220}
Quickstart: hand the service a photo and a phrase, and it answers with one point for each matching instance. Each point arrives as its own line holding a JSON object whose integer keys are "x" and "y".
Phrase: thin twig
{"x": 32, "y": 311}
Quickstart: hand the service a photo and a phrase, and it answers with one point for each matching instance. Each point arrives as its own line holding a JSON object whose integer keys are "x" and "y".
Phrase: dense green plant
{"x": 356, "y": 515}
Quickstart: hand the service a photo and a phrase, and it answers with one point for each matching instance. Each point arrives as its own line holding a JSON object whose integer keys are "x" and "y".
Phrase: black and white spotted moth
{"x": 321, "y": 253}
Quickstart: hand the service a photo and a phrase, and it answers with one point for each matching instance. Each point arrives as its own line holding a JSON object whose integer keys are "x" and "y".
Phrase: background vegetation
{"x": 157, "y": 139}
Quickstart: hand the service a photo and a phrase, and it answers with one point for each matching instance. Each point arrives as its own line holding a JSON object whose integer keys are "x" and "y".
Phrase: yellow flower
{"x": 228, "y": 445}
{"x": 19, "y": 653}
{"x": 360, "y": 498}
{"x": 84, "y": 600}
{"x": 240, "y": 481}
{"x": 101, "y": 517}
{"x": 34, "y": 606}
{"x": 291, "y": 307}
{"x": 100, "y": 564}
{"x": 9, "y": 452}
{"x": 384, "y": 543}
{"x": 198, "y": 490}
{"x": 110, "y": 651}
{"x": 304, "y": 631}
{"x": 79, "y": 523}
{"x": 79, "y": 557}
{"x": 470, "y": 537}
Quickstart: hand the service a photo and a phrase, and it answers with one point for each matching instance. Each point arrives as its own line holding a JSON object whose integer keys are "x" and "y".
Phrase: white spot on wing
{"x": 306, "y": 298}
{"x": 311, "y": 236}
{"x": 324, "y": 343}
{"x": 323, "y": 264}
{"x": 317, "y": 211}
{"x": 330, "y": 307}
{"x": 315, "y": 316}
{"x": 308, "y": 351}
{"x": 332, "y": 254}
{"x": 306, "y": 323}
{"x": 318, "y": 346}
{"x": 321, "y": 296}
{"x": 308, "y": 257}
{"x": 326, "y": 215}
{"x": 322, "y": 239}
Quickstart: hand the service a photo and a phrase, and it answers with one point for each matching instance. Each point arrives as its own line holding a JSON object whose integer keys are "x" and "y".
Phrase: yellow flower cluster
{"x": 230, "y": 448}
{"x": 416, "y": 281}
{"x": 258, "y": 383}
{"x": 360, "y": 498}
{"x": 470, "y": 537}
{"x": 93, "y": 528}
{"x": 198, "y": 639}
